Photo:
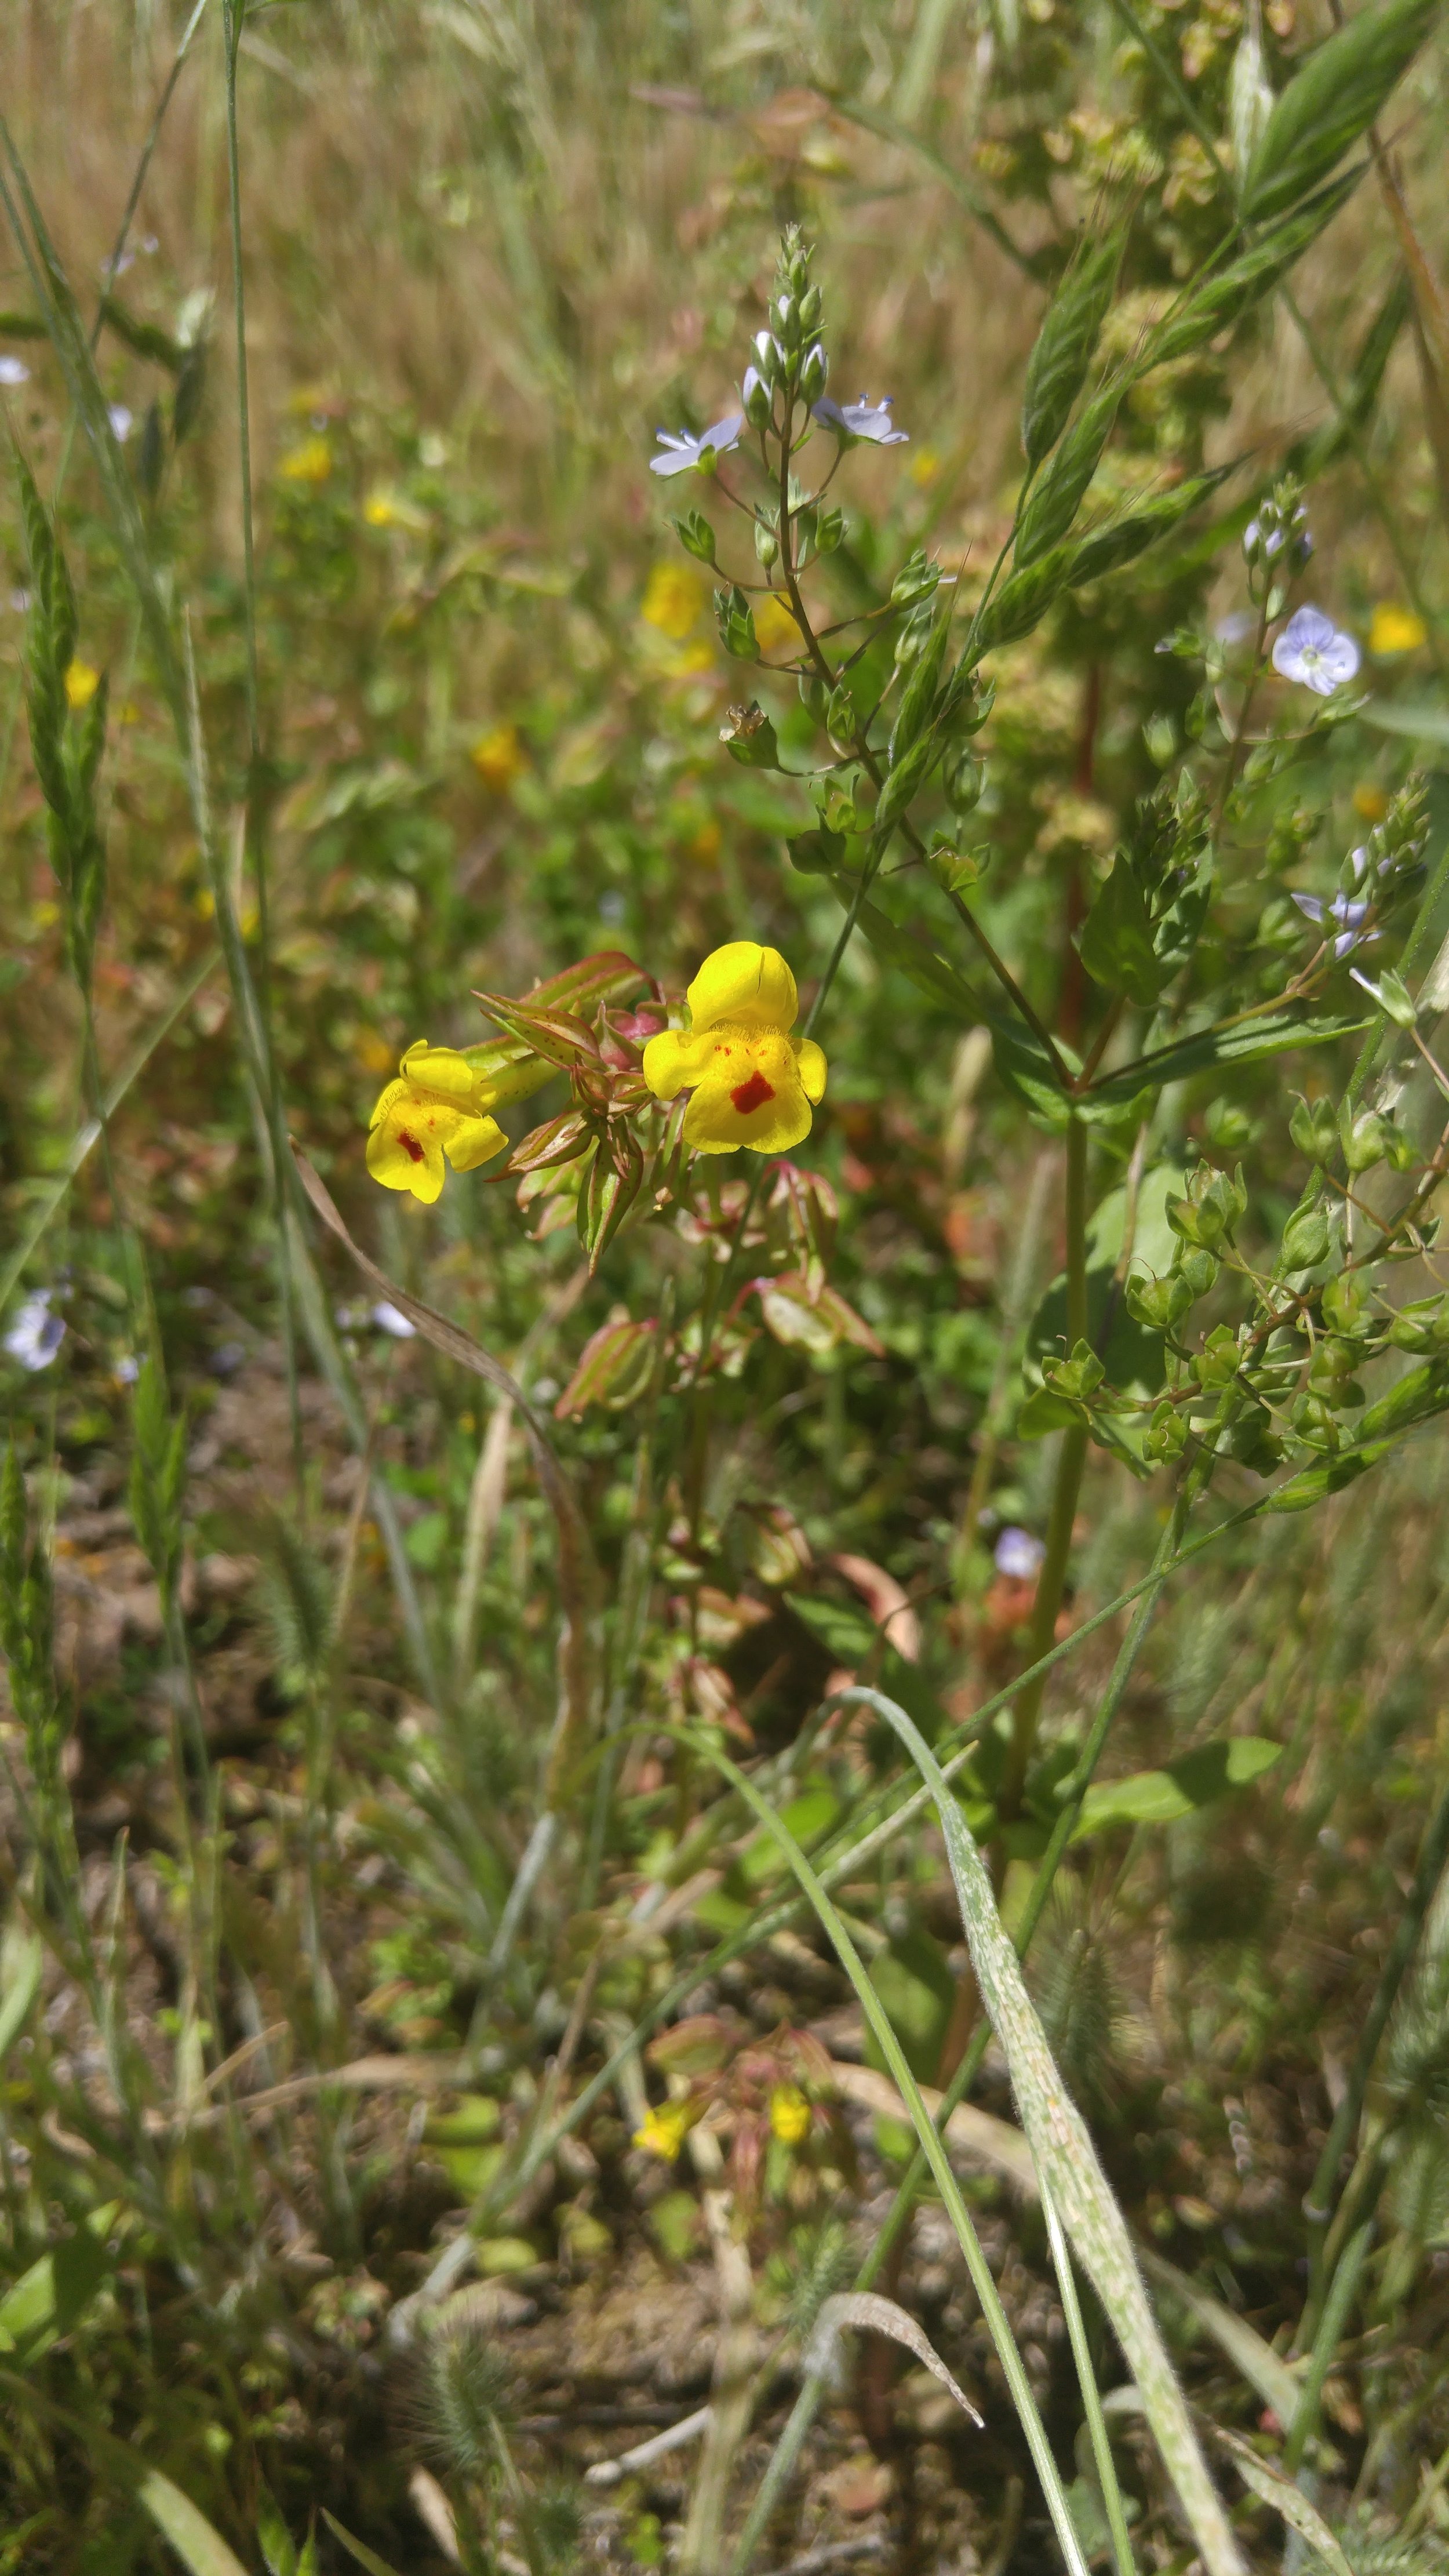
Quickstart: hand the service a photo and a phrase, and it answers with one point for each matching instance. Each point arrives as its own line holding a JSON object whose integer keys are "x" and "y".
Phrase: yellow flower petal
{"x": 746, "y": 984}
{"x": 81, "y": 684}
{"x": 789, "y": 2114}
{"x": 1396, "y": 630}
{"x": 443, "y": 1070}
{"x": 775, "y": 628}
{"x": 812, "y": 1068}
{"x": 498, "y": 757}
{"x": 309, "y": 463}
{"x": 750, "y": 1094}
{"x": 403, "y": 1155}
{"x": 475, "y": 1141}
{"x": 674, "y": 1059}
{"x": 673, "y": 601}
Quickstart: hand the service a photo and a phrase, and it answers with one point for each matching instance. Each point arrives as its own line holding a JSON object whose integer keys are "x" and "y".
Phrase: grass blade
{"x": 1067, "y": 2162}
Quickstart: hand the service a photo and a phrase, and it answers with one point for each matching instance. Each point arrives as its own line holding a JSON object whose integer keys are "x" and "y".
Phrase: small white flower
{"x": 1018, "y": 1555}
{"x": 127, "y": 1369}
{"x": 122, "y": 422}
{"x": 1313, "y": 650}
{"x": 14, "y": 371}
{"x": 36, "y": 1335}
{"x": 689, "y": 455}
{"x": 389, "y": 1319}
{"x": 863, "y": 419}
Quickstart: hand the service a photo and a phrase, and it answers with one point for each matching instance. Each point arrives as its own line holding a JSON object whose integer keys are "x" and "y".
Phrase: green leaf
{"x": 1226, "y": 297}
{"x": 914, "y": 1982}
{"x": 1161, "y": 1797}
{"x": 1053, "y": 500}
{"x": 22, "y": 1956}
{"x": 197, "y": 2542}
{"x": 1122, "y": 540}
{"x": 1253, "y": 1039}
{"x": 364, "y": 2556}
{"x": 1057, "y": 368}
{"x": 1420, "y": 718}
{"x": 1331, "y": 101}
{"x": 1116, "y": 939}
{"x": 55, "y": 2292}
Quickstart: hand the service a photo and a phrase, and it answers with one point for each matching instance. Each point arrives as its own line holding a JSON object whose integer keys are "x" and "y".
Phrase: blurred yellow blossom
{"x": 498, "y": 757}
{"x": 309, "y": 463}
{"x": 673, "y": 600}
{"x": 664, "y": 2130}
{"x": 789, "y": 2114}
{"x": 752, "y": 1083}
{"x": 437, "y": 1106}
{"x": 373, "y": 1052}
{"x": 81, "y": 684}
{"x": 925, "y": 466}
{"x": 385, "y": 508}
{"x": 706, "y": 842}
{"x": 1395, "y": 630}
{"x": 1370, "y": 801}
{"x": 775, "y": 628}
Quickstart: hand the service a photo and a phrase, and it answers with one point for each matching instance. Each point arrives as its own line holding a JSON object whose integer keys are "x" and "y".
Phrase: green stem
{"x": 1106, "y": 2466}
{"x": 231, "y": 18}
{"x": 1051, "y": 1582}
{"x": 1336, "y": 2310}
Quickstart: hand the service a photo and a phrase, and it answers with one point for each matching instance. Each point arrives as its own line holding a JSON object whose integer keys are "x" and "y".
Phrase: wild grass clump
{"x": 724, "y": 1357}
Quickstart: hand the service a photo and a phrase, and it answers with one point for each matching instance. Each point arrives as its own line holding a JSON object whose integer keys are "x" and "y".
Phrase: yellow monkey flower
{"x": 437, "y": 1106}
{"x": 664, "y": 2130}
{"x": 789, "y": 2115}
{"x": 752, "y": 1082}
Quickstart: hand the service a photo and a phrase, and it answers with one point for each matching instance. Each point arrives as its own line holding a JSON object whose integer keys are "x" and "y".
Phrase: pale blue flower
{"x": 863, "y": 419}
{"x": 36, "y": 1335}
{"x": 122, "y": 422}
{"x": 14, "y": 371}
{"x": 687, "y": 454}
{"x": 1018, "y": 1555}
{"x": 389, "y": 1319}
{"x": 1351, "y": 910}
{"x": 1313, "y": 650}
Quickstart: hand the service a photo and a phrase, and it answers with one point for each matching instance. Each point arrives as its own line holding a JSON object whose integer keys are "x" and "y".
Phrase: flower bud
{"x": 811, "y": 303}
{"x": 813, "y": 373}
{"x": 785, "y": 316}
{"x": 755, "y": 395}
{"x": 766, "y": 545}
{"x": 770, "y": 357}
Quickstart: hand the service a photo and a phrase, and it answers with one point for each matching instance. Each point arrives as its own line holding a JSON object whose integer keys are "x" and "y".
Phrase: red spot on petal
{"x": 752, "y": 1094}
{"x": 410, "y": 1145}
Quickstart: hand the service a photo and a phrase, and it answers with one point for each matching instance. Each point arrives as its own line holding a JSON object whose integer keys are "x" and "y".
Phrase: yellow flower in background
{"x": 775, "y": 628}
{"x": 664, "y": 2131}
{"x": 81, "y": 684}
{"x": 309, "y": 463}
{"x": 384, "y": 508}
{"x": 753, "y": 1084}
{"x": 498, "y": 757}
{"x": 789, "y": 2115}
{"x": 673, "y": 600}
{"x": 925, "y": 466}
{"x": 437, "y": 1106}
{"x": 1370, "y": 801}
{"x": 1395, "y": 630}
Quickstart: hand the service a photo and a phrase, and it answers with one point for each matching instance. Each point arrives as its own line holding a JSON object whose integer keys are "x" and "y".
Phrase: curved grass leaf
{"x": 943, "y": 2173}
{"x": 1057, "y": 368}
{"x": 1067, "y": 2161}
{"x": 1332, "y": 101}
{"x": 1225, "y": 298}
{"x": 1053, "y": 501}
